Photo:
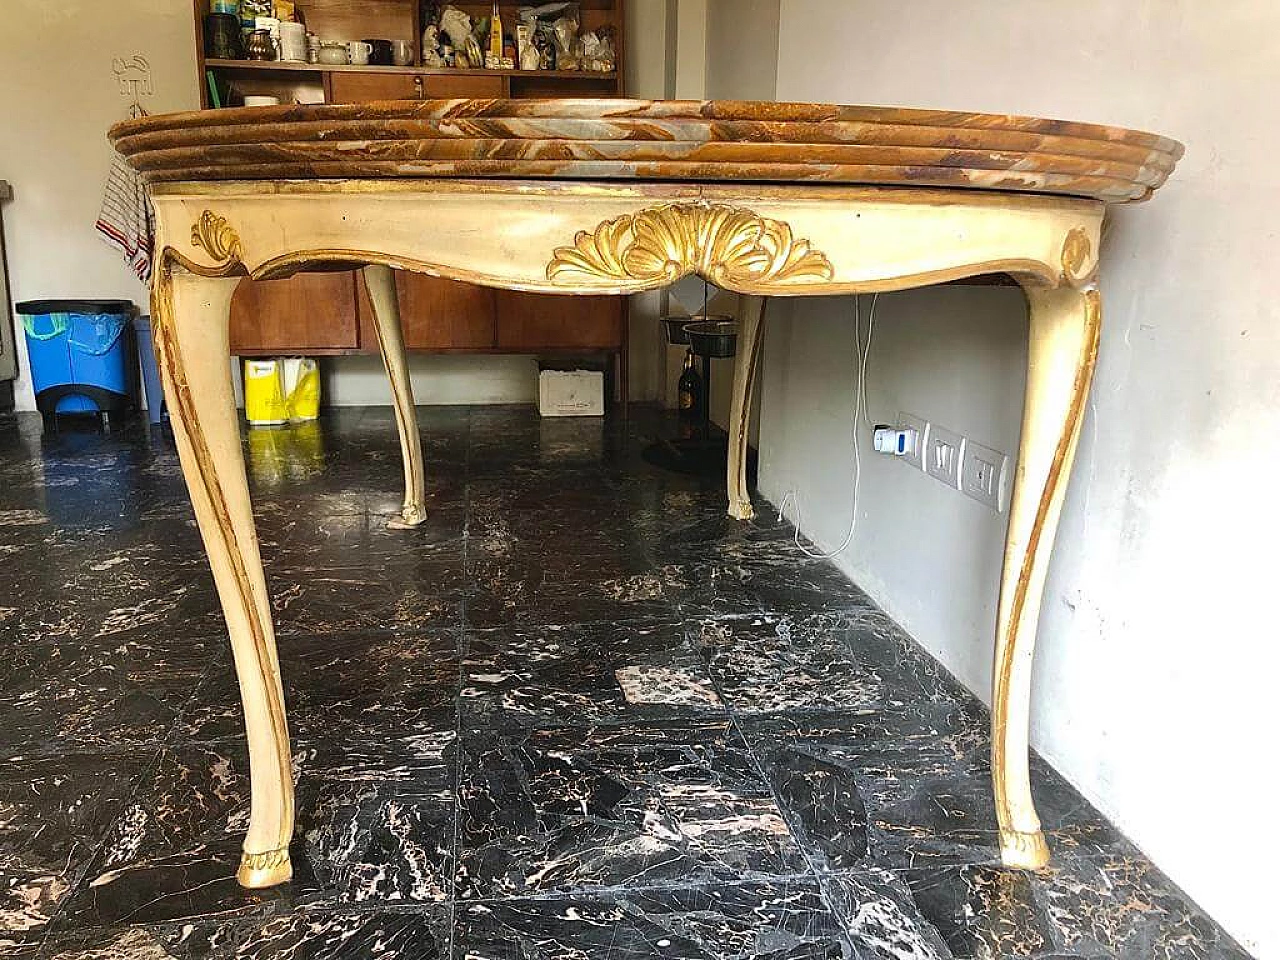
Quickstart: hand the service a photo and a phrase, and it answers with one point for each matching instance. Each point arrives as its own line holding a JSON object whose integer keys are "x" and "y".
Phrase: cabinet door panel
{"x": 533, "y": 321}
{"x": 312, "y": 311}
{"x": 444, "y": 87}
{"x": 436, "y": 314}
{"x": 365, "y": 87}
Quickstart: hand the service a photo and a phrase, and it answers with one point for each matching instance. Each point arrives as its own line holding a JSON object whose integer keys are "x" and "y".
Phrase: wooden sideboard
{"x": 329, "y": 314}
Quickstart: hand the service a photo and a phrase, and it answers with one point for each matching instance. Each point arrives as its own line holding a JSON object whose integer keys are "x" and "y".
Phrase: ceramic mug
{"x": 380, "y": 52}
{"x": 401, "y": 53}
{"x": 359, "y": 51}
{"x": 293, "y": 42}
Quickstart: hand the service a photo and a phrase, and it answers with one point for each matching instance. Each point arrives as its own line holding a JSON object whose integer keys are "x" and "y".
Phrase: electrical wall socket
{"x": 942, "y": 455}
{"x": 982, "y": 474}
{"x": 979, "y": 472}
{"x": 921, "y": 426}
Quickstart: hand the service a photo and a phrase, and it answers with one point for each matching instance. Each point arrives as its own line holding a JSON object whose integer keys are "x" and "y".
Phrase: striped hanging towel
{"x": 127, "y": 220}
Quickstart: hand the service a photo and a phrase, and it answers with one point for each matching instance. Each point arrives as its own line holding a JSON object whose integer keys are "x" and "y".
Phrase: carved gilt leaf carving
{"x": 727, "y": 245}
{"x": 216, "y": 236}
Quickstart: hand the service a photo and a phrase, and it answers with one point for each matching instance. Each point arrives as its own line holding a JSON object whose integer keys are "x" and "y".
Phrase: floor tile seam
{"x": 462, "y": 646}
{"x": 485, "y": 635}
{"x": 36, "y": 640}
{"x": 586, "y": 892}
{"x": 1057, "y": 946}
{"x": 54, "y": 924}
{"x": 378, "y": 573}
{"x": 206, "y": 677}
{"x": 172, "y": 738}
{"x": 380, "y": 632}
{"x": 735, "y": 722}
{"x": 263, "y": 912}
{"x": 511, "y": 730}
{"x": 547, "y": 625}
{"x": 795, "y": 825}
{"x": 75, "y": 748}
{"x": 387, "y": 734}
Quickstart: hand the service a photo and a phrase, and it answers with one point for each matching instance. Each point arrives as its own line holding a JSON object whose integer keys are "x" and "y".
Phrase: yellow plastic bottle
{"x": 302, "y": 388}
{"x": 264, "y": 397}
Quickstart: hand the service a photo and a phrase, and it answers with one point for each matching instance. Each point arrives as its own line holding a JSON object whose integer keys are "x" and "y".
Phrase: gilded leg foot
{"x": 1023, "y": 851}
{"x": 413, "y": 515}
{"x": 260, "y": 870}
{"x": 741, "y": 510}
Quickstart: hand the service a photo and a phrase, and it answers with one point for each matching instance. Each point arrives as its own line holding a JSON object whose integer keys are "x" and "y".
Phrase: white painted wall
{"x": 1156, "y": 657}
{"x": 437, "y": 379}
{"x": 690, "y": 50}
{"x": 58, "y": 96}
{"x": 742, "y": 49}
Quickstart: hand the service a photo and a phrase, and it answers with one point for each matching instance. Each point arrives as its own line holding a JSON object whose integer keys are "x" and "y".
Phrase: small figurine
{"x": 456, "y": 24}
{"x": 431, "y": 47}
{"x": 530, "y": 59}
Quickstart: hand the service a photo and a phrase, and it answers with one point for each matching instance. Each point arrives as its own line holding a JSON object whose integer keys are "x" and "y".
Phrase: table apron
{"x": 594, "y": 239}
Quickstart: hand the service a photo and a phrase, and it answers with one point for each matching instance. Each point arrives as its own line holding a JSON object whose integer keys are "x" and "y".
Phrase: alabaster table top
{"x": 651, "y": 140}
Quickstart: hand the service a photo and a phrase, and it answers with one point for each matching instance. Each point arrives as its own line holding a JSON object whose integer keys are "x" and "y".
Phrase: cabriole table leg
{"x": 1062, "y": 351}
{"x": 191, "y": 315}
{"x": 381, "y": 282}
{"x": 747, "y": 362}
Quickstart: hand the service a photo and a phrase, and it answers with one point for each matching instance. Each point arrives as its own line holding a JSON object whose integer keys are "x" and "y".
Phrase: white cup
{"x": 293, "y": 42}
{"x": 257, "y": 101}
{"x": 360, "y": 51}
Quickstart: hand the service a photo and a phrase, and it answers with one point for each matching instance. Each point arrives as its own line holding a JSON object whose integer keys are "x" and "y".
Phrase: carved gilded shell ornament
{"x": 725, "y": 244}
{"x": 216, "y": 237}
{"x": 1078, "y": 266}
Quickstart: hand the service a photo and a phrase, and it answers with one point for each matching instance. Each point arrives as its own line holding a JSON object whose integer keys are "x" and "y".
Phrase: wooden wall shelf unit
{"x": 289, "y": 67}
{"x": 328, "y": 314}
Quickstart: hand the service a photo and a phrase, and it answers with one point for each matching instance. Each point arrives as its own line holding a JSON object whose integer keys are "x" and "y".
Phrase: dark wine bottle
{"x": 689, "y": 389}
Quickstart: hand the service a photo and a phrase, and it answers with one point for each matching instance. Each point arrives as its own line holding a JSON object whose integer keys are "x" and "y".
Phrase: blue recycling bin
{"x": 83, "y": 355}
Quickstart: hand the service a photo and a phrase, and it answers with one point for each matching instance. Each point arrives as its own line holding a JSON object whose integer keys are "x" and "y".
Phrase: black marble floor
{"x": 577, "y": 715}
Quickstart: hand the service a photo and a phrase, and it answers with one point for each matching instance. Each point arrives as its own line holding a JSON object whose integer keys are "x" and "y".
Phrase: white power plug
{"x": 895, "y": 440}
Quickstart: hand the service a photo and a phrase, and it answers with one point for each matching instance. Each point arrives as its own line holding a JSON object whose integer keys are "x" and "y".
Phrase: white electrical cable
{"x": 862, "y": 368}
{"x": 859, "y": 412}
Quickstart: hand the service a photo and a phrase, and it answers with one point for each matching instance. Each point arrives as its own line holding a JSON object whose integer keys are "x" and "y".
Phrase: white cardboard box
{"x": 571, "y": 393}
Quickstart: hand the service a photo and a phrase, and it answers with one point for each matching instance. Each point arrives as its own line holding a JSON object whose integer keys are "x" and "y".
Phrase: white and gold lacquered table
{"x": 616, "y": 197}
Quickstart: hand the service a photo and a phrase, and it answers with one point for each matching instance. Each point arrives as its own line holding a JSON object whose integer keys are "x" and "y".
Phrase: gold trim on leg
{"x": 747, "y": 363}
{"x": 381, "y": 282}
{"x": 259, "y": 870}
{"x": 1063, "y": 349}
{"x": 190, "y": 315}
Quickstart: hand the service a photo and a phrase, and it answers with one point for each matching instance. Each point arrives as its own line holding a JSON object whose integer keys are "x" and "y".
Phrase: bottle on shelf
{"x": 689, "y": 389}
{"x": 493, "y": 59}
